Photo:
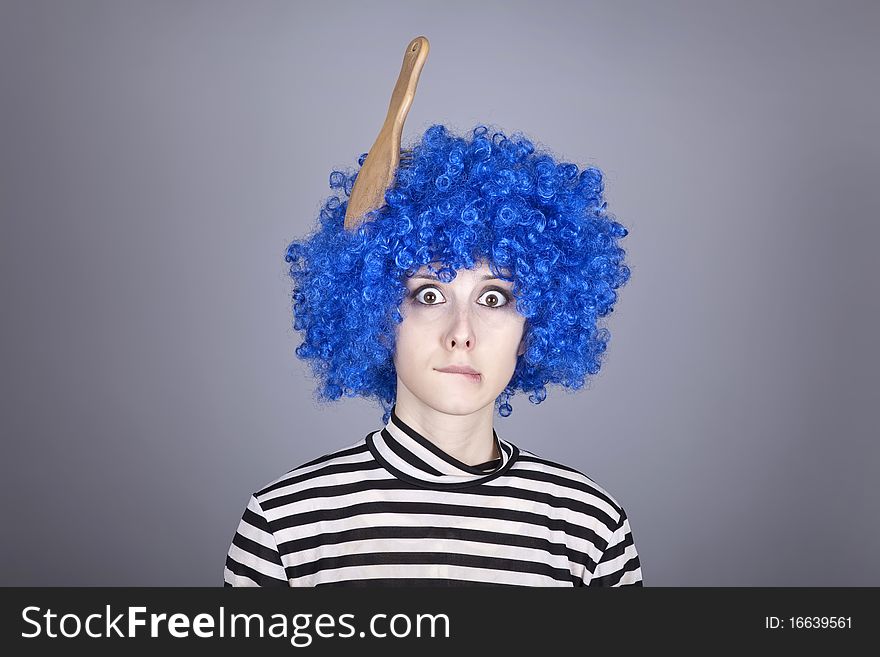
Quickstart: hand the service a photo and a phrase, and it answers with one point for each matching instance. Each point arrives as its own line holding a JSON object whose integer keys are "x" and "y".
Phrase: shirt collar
{"x": 410, "y": 456}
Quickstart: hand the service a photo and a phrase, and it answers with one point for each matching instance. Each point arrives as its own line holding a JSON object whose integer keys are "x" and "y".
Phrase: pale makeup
{"x": 470, "y": 321}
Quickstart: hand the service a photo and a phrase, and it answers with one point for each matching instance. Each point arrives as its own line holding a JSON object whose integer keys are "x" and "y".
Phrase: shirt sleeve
{"x": 253, "y": 558}
{"x": 619, "y": 565}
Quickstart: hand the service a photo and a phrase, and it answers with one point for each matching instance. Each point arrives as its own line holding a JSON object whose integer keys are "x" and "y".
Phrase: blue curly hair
{"x": 538, "y": 222}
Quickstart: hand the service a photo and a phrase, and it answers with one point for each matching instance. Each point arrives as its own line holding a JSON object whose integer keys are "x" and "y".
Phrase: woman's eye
{"x": 430, "y": 296}
{"x": 493, "y": 298}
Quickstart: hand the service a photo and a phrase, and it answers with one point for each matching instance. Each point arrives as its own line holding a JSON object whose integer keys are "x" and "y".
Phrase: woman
{"x": 485, "y": 273}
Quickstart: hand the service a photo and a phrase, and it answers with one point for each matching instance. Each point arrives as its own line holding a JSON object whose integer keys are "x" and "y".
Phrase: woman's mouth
{"x": 471, "y": 377}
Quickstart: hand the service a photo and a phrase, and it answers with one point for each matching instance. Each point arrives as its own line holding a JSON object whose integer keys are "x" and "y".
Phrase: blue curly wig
{"x": 536, "y": 221}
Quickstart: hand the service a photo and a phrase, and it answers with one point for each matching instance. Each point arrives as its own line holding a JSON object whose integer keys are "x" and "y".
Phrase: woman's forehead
{"x": 477, "y": 274}
{"x": 480, "y": 267}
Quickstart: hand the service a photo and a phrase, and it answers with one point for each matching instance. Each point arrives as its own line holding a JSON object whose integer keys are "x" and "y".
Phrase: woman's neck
{"x": 468, "y": 438}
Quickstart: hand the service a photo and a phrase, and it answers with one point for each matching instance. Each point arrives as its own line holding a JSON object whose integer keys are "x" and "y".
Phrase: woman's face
{"x": 472, "y": 322}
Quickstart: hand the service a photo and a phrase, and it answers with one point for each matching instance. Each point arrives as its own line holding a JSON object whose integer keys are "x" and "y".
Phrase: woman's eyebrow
{"x": 484, "y": 277}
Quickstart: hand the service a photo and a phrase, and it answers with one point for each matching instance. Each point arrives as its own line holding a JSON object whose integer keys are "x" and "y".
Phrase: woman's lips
{"x": 472, "y": 377}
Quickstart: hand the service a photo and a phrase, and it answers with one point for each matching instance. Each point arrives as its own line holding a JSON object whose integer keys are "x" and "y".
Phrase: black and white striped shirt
{"x": 394, "y": 509}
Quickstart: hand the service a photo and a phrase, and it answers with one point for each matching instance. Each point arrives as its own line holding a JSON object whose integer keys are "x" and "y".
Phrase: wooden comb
{"x": 377, "y": 172}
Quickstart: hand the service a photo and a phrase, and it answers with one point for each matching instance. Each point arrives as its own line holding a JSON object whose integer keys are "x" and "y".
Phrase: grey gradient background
{"x": 157, "y": 158}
